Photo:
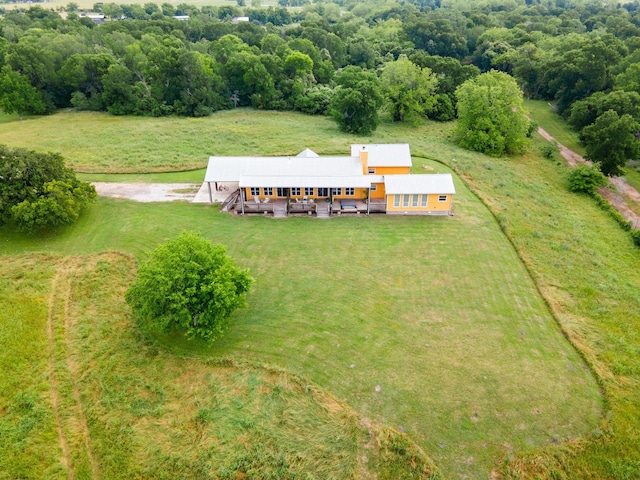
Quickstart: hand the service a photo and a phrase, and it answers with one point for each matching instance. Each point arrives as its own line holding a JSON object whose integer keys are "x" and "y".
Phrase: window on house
{"x": 374, "y": 187}
{"x": 350, "y": 191}
{"x": 425, "y": 198}
{"x": 323, "y": 192}
{"x": 414, "y": 200}
{"x": 396, "y": 200}
{"x": 268, "y": 191}
{"x": 442, "y": 198}
{"x": 255, "y": 191}
{"x": 295, "y": 191}
{"x": 308, "y": 190}
{"x": 283, "y": 192}
{"x": 405, "y": 200}
{"x": 372, "y": 170}
{"x": 336, "y": 191}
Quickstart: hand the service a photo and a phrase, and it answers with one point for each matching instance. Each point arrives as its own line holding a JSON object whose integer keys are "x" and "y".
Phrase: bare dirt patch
{"x": 149, "y": 192}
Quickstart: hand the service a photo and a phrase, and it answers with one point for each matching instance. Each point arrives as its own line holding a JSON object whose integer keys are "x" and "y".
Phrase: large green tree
{"x": 37, "y": 191}
{"x": 188, "y": 285}
{"x": 410, "y": 90}
{"x": 17, "y": 95}
{"x": 611, "y": 141}
{"x": 491, "y": 115}
{"x": 356, "y": 101}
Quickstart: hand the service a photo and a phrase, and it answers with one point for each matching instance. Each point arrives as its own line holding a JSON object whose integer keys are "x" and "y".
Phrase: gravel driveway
{"x": 149, "y": 192}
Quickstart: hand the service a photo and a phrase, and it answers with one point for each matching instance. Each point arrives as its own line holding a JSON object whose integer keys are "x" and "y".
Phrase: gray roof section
{"x": 230, "y": 169}
{"x": 438, "y": 183}
{"x": 384, "y": 155}
{"x": 359, "y": 181}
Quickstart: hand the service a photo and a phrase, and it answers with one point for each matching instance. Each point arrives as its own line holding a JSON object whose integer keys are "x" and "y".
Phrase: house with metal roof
{"x": 375, "y": 178}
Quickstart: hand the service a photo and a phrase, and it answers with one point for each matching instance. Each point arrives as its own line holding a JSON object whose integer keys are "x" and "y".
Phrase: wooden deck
{"x": 280, "y": 208}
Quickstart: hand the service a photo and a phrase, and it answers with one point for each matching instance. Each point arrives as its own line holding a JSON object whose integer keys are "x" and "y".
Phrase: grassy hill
{"x": 440, "y": 313}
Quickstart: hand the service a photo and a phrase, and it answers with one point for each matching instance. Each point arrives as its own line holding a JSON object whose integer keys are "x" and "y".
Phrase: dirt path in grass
{"x": 620, "y": 198}
{"x": 70, "y": 419}
{"x": 54, "y": 385}
{"x": 81, "y": 419}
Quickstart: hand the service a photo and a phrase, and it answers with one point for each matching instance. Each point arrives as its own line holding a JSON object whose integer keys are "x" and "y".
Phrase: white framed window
{"x": 414, "y": 200}
{"x": 425, "y": 198}
{"x": 336, "y": 191}
{"x": 442, "y": 198}
{"x": 374, "y": 187}
{"x": 295, "y": 192}
{"x": 396, "y": 200}
{"x": 372, "y": 170}
{"x": 283, "y": 192}
{"x": 405, "y": 200}
{"x": 323, "y": 192}
{"x": 255, "y": 191}
{"x": 349, "y": 191}
{"x": 308, "y": 190}
{"x": 268, "y": 191}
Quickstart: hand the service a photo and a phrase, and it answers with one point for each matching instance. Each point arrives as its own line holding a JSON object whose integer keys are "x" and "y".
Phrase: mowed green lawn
{"x": 439, "y": 313}
{"x": 588, "y": 269}
{"x": 84, "y": 396}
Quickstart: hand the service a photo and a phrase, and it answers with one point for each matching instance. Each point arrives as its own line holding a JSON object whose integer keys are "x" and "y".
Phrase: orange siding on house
{"x": 391, "y": 170}
{"x": 433, "y": 204}
{"x": 359, "y": 193}
{"x": 379, "y": 192}
{"x": 364, "y": 161}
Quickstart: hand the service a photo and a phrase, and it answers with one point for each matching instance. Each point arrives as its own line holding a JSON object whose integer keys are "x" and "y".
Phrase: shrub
{"x": 586, "y": 179}
{"x": 549, "y": 150}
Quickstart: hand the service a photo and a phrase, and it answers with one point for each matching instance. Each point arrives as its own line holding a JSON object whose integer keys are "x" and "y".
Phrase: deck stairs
{"x": 280, "y": 211}
{"x": 230, "y": 201}
{"x": 322, "y": 210}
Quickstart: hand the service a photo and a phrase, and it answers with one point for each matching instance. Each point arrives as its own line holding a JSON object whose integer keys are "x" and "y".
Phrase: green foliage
{"x": 585, "y": 112}
{"x": 611, "y": 141}
{"x": 17, "y": 95}
{"x": 635, "y": 234}
{"x": 38, "y": 192}
{"x": 356, "y": 101}
{"x": 314, "y": 100}
{"x": 444, "y": 109}
{"x": 549, "y": 150}
{"x": 59, "y": 204}
{"x": 410, "y": 90}
{"x": 491, "y": 115}
{"x": 190, "y": 285}
{"x": 585, "y": 179}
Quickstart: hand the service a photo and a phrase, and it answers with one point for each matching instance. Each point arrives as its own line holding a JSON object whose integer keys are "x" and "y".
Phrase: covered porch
{"x": 303, "y": 195}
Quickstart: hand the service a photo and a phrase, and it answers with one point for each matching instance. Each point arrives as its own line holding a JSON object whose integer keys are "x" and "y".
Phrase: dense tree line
{"x": 583, "y": 56}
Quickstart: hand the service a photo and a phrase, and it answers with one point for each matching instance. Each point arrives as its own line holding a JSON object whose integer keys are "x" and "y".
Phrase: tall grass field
{"x": 490, "y": 351}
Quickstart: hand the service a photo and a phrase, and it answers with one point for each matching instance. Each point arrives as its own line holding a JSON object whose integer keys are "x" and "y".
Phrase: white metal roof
{"x": 357, "y": 181}
{"x": 438, "y": 183}
{"x": 307, "y": 153}
{"x": 230, "y": 169}
{"x": 385, "y": 154}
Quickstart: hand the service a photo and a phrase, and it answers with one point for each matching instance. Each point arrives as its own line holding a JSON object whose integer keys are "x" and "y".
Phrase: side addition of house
{"x": 375, "y": 178}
